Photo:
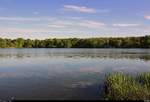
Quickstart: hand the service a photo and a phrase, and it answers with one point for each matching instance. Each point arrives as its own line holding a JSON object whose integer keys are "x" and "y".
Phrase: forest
{"x": 109, "y": 42}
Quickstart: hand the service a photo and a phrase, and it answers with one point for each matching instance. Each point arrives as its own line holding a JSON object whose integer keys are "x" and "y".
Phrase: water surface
{"x": 64, "y": 73}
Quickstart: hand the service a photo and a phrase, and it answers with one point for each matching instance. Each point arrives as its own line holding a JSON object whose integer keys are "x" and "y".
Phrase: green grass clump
{"x": 119, "y": 86}
{"x": 144, "y": 79}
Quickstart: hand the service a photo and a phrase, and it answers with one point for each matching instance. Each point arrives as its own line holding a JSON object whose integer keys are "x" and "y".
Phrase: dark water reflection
{"x": 64, "y": 73}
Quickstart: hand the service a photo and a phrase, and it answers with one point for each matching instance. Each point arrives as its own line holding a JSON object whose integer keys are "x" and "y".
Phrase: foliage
{"x": 127, "y": 42}
{"x": 144, "y": 79}
{"x": 125, "y": 87}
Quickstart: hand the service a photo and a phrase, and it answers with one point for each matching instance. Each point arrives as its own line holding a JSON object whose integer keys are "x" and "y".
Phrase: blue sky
{"x": 74, "y": 18}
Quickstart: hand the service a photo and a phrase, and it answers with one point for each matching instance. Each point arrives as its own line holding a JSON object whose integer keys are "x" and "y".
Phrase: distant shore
{"x": 120, "y": 42}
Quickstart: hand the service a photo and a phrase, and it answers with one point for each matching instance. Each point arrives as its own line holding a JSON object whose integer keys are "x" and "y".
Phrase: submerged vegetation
{"x": 127, "y": 42}
{"x": 119, "y": 86}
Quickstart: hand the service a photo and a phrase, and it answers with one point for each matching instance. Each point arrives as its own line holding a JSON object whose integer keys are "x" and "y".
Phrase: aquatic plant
{"x": 119, "y": 86}
{"x": 144, "y": 79}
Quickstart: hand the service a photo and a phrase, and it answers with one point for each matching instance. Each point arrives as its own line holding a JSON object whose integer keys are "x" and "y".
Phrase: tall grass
{"x": 119, "y": 86}
{"x": 144, "y": 79}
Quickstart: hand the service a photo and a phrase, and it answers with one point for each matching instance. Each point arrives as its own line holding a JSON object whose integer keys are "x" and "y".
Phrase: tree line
{"x": 120, "y": 42}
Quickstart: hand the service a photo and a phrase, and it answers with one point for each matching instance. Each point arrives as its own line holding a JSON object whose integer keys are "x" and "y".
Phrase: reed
{"x": 119, "y": 86}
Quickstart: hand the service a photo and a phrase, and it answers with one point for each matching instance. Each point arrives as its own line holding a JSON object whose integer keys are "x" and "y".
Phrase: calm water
{"x": 64, "y": 73}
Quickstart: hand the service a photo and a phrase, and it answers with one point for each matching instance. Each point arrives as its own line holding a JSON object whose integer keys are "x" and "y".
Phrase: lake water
{"x": 64, "y": 73}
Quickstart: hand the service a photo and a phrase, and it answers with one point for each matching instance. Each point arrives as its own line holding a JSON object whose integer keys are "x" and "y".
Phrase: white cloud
{"x": 92, "y": 24}
{"x": 77, "y": 24}
{"x": 3, "y": 18}
{"x": 60, "y": 24}
{"x": 81, "y": 9}
{"x": 147, "y": 17}
{"x": 125, "y": 25}
{"x": 75, "y": 18}
{"x": 20, "y": 30}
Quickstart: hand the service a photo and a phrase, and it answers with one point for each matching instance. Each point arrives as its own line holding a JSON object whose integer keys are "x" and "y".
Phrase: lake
{"x": 64, "y": 73}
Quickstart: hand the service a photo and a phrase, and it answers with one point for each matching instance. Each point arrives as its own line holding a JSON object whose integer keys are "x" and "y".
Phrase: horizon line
{"x": 74, "y": 37}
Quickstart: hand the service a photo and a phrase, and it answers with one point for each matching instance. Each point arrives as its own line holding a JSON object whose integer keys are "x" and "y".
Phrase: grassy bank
{"x": 119, "y": 86}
